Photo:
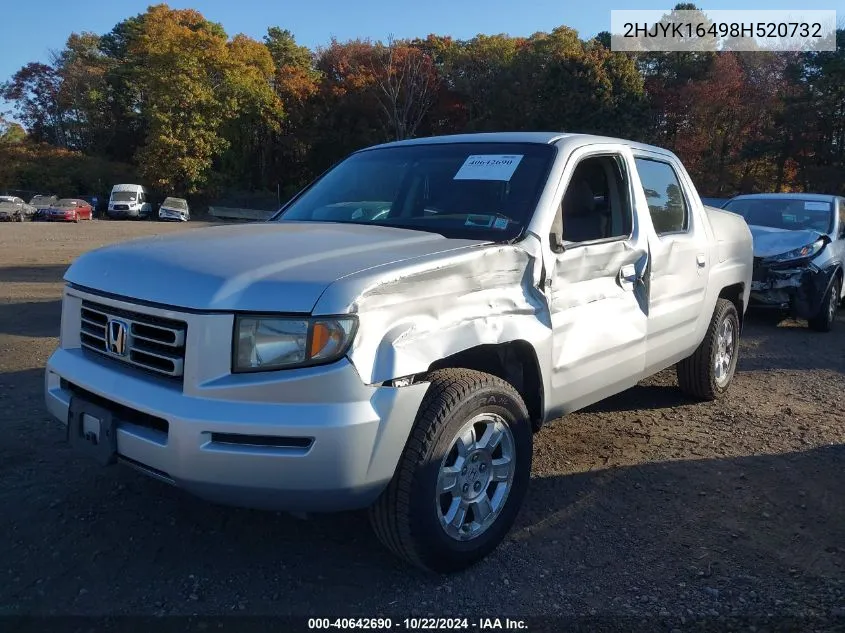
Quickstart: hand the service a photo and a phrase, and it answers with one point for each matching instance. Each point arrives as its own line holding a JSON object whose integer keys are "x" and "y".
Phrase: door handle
{"x": 628, "y": 273}
{"x": 700, "y": 260}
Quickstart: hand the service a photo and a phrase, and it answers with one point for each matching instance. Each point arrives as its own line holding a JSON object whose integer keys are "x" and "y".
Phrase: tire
{"x": 698, "y": 376}
{"x": 823, "y": 321}
{"x": 408, "y": 516}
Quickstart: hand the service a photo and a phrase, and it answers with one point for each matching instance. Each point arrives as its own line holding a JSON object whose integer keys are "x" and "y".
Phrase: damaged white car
{"x": 393, "y": 338}
{"x": 799, "y": 251}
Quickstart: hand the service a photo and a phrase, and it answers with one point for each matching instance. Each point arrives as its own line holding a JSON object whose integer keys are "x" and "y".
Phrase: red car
{"x": 69, "y": 210}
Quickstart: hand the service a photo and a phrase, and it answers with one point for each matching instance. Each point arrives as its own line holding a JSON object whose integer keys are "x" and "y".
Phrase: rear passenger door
{"x": 679, "y": 263}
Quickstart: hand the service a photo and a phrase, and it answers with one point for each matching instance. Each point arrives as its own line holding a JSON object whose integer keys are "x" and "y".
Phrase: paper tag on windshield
{"x": 500, "y": 223}
{"x": 489, "y": 167}
{"x": 816, "y": 206}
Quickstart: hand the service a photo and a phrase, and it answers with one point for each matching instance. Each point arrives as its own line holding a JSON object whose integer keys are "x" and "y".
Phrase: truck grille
{"x": 121, "y": 207}
{"x": 149, "y": 342}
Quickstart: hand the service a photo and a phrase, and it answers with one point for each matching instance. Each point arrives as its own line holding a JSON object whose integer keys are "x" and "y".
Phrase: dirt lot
{"x": 644, "y": 506}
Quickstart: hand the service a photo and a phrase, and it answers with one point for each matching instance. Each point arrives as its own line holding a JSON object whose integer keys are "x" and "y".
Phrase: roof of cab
{"x": 544, "y": 138}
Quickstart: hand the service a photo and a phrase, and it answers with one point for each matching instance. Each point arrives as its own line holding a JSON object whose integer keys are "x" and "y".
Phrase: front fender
{"x": 411, "y": 318}
{"x": 812, "y": 291}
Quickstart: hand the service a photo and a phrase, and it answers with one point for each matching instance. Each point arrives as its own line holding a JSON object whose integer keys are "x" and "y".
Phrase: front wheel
{"x": 708, "y": 372}
{"x": 823, "y": 321}
{"x": 462, "y": 476}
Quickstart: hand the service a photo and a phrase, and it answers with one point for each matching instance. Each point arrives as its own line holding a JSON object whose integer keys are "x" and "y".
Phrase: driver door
{"x": 598, "y": 294}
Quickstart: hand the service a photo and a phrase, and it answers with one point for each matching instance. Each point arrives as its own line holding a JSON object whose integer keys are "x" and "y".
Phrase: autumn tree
{"x": 822, "y": 155}
{"x": 83, "y": 95}
{"x": 347, "y": 107}
{"x": 407, "y": 84}
{"x": 195, "y": 81}
{"x": 34, "y": 89}
{"x": 297, "y": 85}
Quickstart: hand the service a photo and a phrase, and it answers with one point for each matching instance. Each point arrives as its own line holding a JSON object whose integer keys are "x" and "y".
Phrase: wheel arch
{"x": 515, "y": 362}
{"x": 735, "y": 293}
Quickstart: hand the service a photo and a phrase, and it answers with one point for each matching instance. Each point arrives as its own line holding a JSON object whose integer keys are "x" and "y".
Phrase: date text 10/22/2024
{"x": 419, "y": 624}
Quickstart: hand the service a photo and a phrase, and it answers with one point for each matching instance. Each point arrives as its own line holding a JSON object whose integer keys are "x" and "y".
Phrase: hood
{"x": 769, "y": 241}
{"x": 272, "y": 266}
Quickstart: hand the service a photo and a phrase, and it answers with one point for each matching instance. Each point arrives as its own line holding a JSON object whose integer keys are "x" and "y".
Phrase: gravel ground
{"x": 645, "y": 507}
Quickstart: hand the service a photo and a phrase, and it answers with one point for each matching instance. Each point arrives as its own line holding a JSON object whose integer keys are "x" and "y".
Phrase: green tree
{"x": 11, "y": 132}
{"x": 195, "y": 81}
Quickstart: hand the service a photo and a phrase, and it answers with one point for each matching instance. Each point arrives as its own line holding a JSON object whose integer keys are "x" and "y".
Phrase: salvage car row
{"x": 131, "y": 201}
{"x": 125, "y": 202}
{"x": 45, "y": 208}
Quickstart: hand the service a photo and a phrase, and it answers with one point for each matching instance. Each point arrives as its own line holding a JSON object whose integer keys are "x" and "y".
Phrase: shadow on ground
{"x": 31, "y": 318}
{"x": 34, "y": 273}
{"x": 767, "y": 344}
{"x": 135, "y": 545}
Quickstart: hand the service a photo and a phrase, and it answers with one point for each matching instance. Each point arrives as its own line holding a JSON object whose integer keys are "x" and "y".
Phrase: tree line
{"x": 169, "y": 97}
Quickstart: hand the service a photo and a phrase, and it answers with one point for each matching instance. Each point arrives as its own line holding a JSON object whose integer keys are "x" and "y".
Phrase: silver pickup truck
{"x": 396, "y": 334}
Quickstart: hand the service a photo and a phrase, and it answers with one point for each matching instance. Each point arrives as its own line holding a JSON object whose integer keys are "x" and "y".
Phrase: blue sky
{"x": 33, "y": 27}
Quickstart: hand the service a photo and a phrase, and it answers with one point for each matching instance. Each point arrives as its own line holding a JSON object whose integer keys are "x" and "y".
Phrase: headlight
{"x": 267, "y": 343}
{"x": 811, "y": 250}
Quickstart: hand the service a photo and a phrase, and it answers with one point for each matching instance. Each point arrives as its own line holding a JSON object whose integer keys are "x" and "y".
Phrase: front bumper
{"x": 172, "y": 215}
{"x": 800, "y": 290}
{"x": 315, "y": 439}
{"x": 123, "y": 213}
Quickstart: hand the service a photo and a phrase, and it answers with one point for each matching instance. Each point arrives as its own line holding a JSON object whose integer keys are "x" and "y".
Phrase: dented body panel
{"x": 568, "y": 322}
{"x": 413, "y": 314}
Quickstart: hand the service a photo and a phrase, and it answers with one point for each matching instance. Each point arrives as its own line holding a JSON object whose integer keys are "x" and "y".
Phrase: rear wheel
{"x": 823, "y": 321}
{"x": 708, "y": 372}
{"x": 462, "y": 476}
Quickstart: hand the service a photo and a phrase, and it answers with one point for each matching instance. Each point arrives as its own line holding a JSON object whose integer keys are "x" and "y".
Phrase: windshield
{"x": 174, "y": 203}
{"x": 43, "y": 200}
{"x": 460, "y": 190}
{"x": 67, "y": 202}
{"x": 124, "y": 196}
{"x": 791, "y": 214}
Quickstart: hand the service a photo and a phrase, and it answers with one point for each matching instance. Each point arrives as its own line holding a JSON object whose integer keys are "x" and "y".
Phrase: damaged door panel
{"x": 598, "y": 301}
{"x": 599, "y": 316}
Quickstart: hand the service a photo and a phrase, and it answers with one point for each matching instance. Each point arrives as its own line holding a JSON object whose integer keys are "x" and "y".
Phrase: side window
{"x": 595, "y": 205}
{"x": 666, "y": 203}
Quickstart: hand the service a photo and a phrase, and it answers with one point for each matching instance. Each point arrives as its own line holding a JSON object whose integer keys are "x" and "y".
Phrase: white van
{"x": 129, "y": 201}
